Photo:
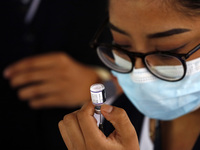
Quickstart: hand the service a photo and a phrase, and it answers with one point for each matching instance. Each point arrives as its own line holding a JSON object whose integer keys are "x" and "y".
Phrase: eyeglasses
{"x": 164, "y": 65}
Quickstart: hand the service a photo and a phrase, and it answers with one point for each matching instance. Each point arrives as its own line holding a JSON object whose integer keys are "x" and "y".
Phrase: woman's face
{"x": 145, "y": 26}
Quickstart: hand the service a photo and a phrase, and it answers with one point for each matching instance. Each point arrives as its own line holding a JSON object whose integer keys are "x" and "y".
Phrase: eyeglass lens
{"x": 164, "y": 66}
{"x": 115, "y": 59}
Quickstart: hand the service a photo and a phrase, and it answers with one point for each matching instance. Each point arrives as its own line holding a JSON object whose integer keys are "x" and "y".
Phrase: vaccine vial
{"x": 98, "y": 96}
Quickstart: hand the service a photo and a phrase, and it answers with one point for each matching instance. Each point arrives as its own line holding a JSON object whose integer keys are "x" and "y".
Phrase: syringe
{"x": 98, "y": 96}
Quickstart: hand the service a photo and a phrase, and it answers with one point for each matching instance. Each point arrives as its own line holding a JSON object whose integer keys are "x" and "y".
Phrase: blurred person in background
{"x": 45, "y": 68}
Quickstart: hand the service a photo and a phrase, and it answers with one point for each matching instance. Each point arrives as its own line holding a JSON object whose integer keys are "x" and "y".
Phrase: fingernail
{"x": 107, "y": 108}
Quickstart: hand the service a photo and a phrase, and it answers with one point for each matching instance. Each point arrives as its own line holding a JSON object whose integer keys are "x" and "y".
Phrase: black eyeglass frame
{"x": 181, "y": 57}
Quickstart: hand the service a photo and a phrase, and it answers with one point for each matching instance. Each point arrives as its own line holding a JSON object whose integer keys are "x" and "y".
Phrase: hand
{"x": 79, "y": 130}
{"x": 51, "y": 80}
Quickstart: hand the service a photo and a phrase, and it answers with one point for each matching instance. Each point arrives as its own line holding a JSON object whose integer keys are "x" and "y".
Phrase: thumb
{"x": 120, "y": 121}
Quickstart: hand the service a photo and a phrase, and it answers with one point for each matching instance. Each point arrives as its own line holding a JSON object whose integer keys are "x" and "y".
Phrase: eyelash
{"x": 122, "y": 46}
{"x": 175, "y": 50}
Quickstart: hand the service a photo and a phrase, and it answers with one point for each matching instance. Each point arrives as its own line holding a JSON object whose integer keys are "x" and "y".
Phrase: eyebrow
{"x": 168, "y": 33}
{"x": 154, "y": 35}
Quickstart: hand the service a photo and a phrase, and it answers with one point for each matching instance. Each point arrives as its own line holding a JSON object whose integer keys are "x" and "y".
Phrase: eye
{"x": 173, "y": 50}
{"x": 123, "y": 46}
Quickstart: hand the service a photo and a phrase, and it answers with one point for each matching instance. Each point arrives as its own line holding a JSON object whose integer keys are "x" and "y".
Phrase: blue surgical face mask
{"x": 160, "y": 99}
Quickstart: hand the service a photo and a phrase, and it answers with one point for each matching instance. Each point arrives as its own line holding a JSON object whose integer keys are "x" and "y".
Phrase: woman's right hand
{"x": 80, "y": 132}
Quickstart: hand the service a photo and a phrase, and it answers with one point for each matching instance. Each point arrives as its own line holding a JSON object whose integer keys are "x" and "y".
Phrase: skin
{"x": 52, "y": 80}
{"x": 142, "y": 25}
{"x": 80, "y": 132}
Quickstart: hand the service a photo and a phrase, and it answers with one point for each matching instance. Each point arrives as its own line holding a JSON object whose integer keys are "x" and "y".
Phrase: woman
{"x": 155, "y": 56}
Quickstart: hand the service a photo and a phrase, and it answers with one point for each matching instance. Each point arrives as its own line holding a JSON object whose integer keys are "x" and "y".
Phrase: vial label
{"x": 98, "y": 94}
{"x": 97, "y": 98}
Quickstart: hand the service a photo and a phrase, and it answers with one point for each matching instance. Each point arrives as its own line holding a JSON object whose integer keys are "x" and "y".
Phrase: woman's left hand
{"x": 80, "y": 132}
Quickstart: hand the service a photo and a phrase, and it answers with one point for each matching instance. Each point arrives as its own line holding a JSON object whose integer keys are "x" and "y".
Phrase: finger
{"x": 57, "y": 99}
{"x": 33, "y": 91}
{"x": 88, "y": 125}
{"x": 64, "y": 134}
{"x": 120, "y": 121}
{"x": 42, "y": 61}
{"x": 32, "y": 76}
{"x": 73, "y": 131}
{"x": 45, "y": 101}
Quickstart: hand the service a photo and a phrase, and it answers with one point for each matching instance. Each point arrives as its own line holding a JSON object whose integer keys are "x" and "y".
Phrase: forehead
{"x": 133, "y": 6}
{"x": 139, "y": 7}
{"x": 146, "y": 14}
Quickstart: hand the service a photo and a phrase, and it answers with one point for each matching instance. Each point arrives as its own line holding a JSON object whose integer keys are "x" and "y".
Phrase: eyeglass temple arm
{"x": 192, "y": 51}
